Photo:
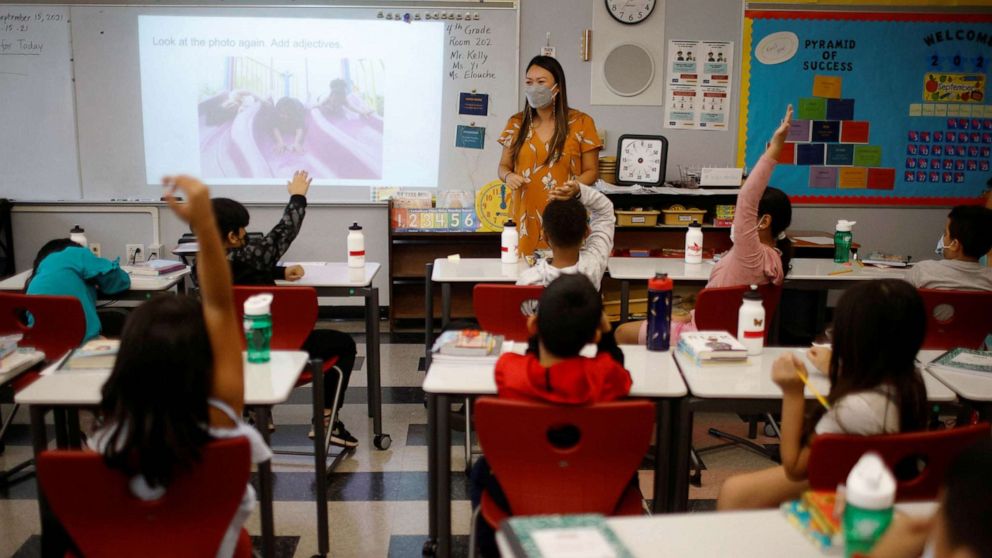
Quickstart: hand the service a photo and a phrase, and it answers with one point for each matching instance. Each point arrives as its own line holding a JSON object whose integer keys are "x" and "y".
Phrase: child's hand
{"x": 778, "y": 138}
{"x": 565, "y": 191}
{"x": 784, "y": 373}
{"x": 820, "y": 357}
{"x": 294, "y": 273}
{"x": 197, "y": 195}
{"x": 300, "y": 183}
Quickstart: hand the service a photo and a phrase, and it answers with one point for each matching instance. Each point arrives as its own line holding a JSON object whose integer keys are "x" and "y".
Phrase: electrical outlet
{"x": 135, "y": 253}
{"x": 95, "y": 248}
{"x": 154, "y": 252}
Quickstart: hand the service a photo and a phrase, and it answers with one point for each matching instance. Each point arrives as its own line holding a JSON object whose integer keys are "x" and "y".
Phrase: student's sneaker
{"x": 341, "y": 437}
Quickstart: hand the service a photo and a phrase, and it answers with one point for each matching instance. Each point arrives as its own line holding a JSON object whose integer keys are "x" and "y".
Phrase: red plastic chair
{"x": 504, "y": 309}
{"x": 833, "y": 456}
{"x": 59, "y": 323}
{"x": 956, "y": 318}
{"x": 588, "y": 473}
{"x": 717, "y": 307}
{"x": 95, "y": 505}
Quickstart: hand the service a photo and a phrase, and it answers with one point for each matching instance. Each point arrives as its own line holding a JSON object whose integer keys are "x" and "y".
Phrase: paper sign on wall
{"x": 470, "y": 137}
{"x": 699, "y": 85}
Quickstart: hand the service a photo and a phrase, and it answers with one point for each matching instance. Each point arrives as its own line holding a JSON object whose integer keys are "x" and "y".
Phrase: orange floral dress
{"x": 527, "y": 203}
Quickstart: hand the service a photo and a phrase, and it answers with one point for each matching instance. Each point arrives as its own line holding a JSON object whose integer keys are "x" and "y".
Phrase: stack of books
{"x": 98, "y": 354}
{"x": 712, "y": 347}
{"x": 968, "y": 361}
{"x": 468, "y": 342}
{"x": 154, "y": 268}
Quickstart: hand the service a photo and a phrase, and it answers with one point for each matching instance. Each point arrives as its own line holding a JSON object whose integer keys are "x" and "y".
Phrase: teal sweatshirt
{"x": 76, "y": 272}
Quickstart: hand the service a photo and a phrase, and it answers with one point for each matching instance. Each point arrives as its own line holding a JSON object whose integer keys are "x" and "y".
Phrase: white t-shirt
{"x": 954, "y": 275}
{"x": 260, "y": 452}
{"x": 865, "y": 413}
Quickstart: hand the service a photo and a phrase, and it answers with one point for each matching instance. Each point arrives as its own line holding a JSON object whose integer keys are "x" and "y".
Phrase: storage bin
{"x": 679, "y": 215}
{"x": 637, "y": 218}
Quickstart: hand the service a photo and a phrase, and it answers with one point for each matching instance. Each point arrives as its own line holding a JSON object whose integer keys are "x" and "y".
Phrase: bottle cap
{"x": 752, "y": 293}
{"x": 355, "y": 227}
{"x": 660, "y": 282}
{"x": 509, "y": 223}
{"x": 258, "y": 305}
{"x": 76, "y": 229}
{"x": 845, "y": 226}
{"x": 695, "y": 223}
{"x": 870, "y": 485}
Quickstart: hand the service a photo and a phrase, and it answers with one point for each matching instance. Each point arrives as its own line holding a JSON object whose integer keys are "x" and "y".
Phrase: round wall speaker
{"x": 628, "y": 70}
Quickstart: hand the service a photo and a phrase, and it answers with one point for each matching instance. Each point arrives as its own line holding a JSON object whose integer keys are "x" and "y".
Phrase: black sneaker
{"x": 341, "y": 437}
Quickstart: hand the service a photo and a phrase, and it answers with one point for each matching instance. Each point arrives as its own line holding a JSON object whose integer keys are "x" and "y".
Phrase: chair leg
{"x": 468, "y": 435}
{"x": 472, "y": 533}
{"x": 5, "y": 424}
{"x": 696, "y": 478}
{"x": 334, "y": 414}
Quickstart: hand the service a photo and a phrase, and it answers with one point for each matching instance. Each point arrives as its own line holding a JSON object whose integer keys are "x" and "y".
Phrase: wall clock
{"x": 630, "y": 12}
{"x": 641, "y": 160}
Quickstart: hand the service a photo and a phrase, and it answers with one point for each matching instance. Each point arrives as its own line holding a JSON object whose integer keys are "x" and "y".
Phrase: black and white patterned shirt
{"x": 256, "y": 263}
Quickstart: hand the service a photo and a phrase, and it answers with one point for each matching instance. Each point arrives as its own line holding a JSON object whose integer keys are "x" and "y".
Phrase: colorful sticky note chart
{"x": 840, "y": 109}
{"x": 798, "y": 131}
{"x": 827, "y": 131}
{"x": 867, "y": 155}
{"x": 853, "y": 177}
{"x": 809, "y": 153}
{"x": 823, "y": 177}
{"x": 840, "y": 154}
{"x": 812, "y": 108}
{"x": 827, "y": 86}
{"x": 881, "y": 179}
{"x": 854, "y": 131}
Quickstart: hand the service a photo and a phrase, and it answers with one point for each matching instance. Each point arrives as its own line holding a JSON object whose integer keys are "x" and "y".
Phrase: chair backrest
{"x": 504, "y": 309}
{"x": 717, "y": 308}
{"x": 96, "y": 506}
{"x": 56, "y": 325}
{"x": 956, "y": 318}
{"x": 832, "y": 457}
{"x": 557, "y": 459}
{"x": 294, "y": 313}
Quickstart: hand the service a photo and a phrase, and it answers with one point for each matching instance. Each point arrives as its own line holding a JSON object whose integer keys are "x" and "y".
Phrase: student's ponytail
{"x": 784, "y": 246}
{"x": 775, "y": 203}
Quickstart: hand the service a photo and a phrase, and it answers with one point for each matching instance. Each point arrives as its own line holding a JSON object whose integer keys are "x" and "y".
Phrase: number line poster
{"x": 890, "y": 108}
{"x": 699, "y": 78}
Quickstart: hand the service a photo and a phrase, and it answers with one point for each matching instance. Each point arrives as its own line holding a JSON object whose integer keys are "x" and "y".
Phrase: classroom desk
{"x": 742, "y": 534}
{"x": 971, "y": 387}
{"x": 142, "y": 286}
{"x": 337, "y": 279}
{"x": 654, "y": 376}
{"x": 806, "y": 273}
{"x": 265, "y": 385}
{"x": 741, "y": 389}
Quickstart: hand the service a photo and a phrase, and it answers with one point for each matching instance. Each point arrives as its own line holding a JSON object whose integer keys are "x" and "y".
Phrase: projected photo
{"x": 265, "y": 118}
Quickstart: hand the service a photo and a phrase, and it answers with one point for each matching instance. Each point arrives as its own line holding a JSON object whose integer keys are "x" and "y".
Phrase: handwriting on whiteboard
{"x": 21, "y": 31}
{"x": 467, "y": 51}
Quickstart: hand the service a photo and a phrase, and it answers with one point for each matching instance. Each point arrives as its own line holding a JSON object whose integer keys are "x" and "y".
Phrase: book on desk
{"x": 154, "y": 268}
{"x": 562, "y": 536}
{"x": 712, "y": 347}
{"x": 968, "y": 361}
{"x": 98, "y": 354}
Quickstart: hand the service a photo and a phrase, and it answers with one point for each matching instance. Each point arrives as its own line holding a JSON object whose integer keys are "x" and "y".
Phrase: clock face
{"x": 641, "y": 161}
{"x": 630, "y": 11}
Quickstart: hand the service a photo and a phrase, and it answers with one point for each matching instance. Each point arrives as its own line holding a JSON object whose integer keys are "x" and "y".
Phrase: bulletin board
{"x": 891, "y": 108}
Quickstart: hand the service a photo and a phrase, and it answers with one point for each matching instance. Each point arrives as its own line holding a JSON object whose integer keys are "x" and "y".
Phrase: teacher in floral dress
{"x": 545, "y": 146}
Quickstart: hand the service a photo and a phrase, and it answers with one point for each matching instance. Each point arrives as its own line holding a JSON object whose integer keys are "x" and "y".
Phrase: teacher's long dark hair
{"x": 557, "y": 143}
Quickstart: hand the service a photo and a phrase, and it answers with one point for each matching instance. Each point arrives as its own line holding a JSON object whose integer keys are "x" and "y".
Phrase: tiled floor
{"x": 377, "y": 499}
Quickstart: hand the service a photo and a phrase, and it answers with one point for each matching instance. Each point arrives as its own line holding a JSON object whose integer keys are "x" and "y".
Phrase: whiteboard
{"x": 480, "y": 56}
{"x": 38, "y": 146}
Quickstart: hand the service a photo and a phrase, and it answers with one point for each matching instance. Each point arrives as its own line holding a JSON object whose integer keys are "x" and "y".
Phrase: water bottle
{"x": 751, "y": 322}
{"x": 659, "y": 312}
{"x": 870, "y": 495}
{"x": 694, "y": 244}
{"x": 356, "y": 246}
{"x": 78, "y": 235}
{"x": 258, "y": 326}
{"x": 842, "y": 241}
{"x": 509, "y": 242}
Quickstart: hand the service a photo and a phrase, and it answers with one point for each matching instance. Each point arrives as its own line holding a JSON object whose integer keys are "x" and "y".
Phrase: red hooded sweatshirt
{"x": 575, "y": 381}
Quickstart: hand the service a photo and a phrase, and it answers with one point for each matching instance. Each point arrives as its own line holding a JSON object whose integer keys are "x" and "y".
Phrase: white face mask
{"x": 538, "y": 96}
{"x": 939, "y": 250}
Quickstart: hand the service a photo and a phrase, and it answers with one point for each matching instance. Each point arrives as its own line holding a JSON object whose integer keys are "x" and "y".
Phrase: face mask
{"x": 538, "y": 96}
{"x": 939, "y": 250}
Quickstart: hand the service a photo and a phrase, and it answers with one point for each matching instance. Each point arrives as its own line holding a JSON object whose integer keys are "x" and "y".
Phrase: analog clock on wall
{"x": 641, "y": 160}
{"x": 630, "y": 12}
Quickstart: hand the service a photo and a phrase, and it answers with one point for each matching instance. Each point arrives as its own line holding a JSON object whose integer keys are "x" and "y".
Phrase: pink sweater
{"x": 749, "y": 262}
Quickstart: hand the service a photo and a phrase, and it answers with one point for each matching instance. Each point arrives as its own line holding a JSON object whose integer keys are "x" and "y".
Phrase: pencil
{"x": 819, "y": 396}
{"x": 840, "y": 271}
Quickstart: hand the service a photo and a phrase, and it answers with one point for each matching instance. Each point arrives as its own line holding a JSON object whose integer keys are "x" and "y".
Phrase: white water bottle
{"x": 510, "y": 240}
{"x": 356, "y": 246}
{"x": 694, "y": 244}
{"x": 78, "y": 235}
{"x": 751, "y": 322}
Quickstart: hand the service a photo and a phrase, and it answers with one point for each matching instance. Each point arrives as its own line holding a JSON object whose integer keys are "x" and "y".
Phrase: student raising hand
{"x": 300, "y": 183}
{"x": 778, "y": 138}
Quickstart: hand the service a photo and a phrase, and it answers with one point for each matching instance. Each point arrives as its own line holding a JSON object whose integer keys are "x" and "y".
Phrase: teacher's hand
{"x": 514, "y": 181}
{"x": 565, "y": 191}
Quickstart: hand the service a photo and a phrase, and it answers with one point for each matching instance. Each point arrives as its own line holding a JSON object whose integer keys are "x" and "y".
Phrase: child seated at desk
{"x": 569, "y": 316}
{"x": 64, "y": 268}
{"x": 576, "y": 247}
{"x": 959, "y": 529}
{"x": 761, "y": 250}
{"x": 875, "y": 388}
{"x": 256, "y": 262}
{"x": 178, "y": 380}
{"x": 967, "y": 237}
